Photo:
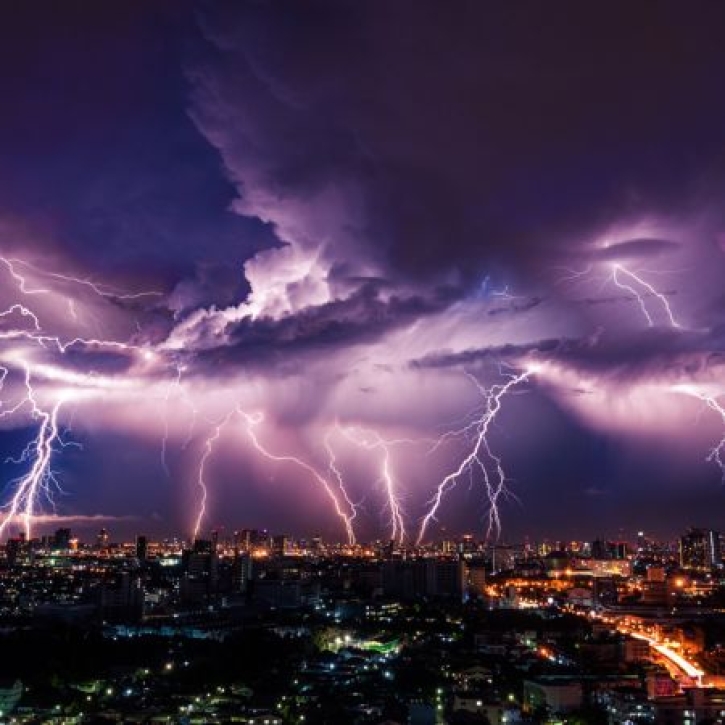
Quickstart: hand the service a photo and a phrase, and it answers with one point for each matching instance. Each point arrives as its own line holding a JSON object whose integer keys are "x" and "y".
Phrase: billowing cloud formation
{"x": 339, "y": 233}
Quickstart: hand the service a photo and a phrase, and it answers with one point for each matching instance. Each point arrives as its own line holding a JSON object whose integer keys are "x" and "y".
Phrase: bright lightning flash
{"x": 717, "y": 453}
{"x": 21, "y": 324}
{"x": 201, "y": 477}
{"x": 371, "y": 440}
{"x": 252, "y": 420}
{"x": 481, "y": 458}
{"x": 637, "y": 283}
{"x": 40, "y": 479}
{"x": 634, "y": 284}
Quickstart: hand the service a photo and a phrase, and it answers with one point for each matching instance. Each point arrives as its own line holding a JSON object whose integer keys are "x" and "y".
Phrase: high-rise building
{"x": 248, "y": 539}
{"x": 503, "y": 558}
{"x": 122, "y": 598}
{"x": 467, "y": 544}
{"x": 201, "y": 572}
{"x": 412, "y": 578}
{"x": 608, "y": 549}
{"x": 61, "y": 540}
{"x": 477, "y": 577}
{"x": 641, "y": 542}
{"x": 241, "y": 571}
{"x": 700, "y": 550}
{"x": 13, "y": 549}
{"x": 280, "y": 545}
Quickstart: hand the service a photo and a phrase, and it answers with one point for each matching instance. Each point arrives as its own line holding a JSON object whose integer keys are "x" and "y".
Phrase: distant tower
{"x": 102, "y": 539}
{"x": 641, "y": 541}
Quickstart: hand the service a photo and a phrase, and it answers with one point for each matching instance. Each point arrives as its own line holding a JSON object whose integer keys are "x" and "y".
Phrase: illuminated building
{"x": 466, "y": 545}
{"x": 241, "y": 571}
{"x": 201, "y": 574}
{"x": 610, "y": 567}
{"x": 654, "y": 588}
{"x": 700, "y": 550}
{"x": 559, "y": 695}
{"x": 280, "y": 545}
{"x": 694, "y": 705}
{"x": 608, "y": 549}
{"x": 503, "y": 558}
{"x": 477, "y": 578}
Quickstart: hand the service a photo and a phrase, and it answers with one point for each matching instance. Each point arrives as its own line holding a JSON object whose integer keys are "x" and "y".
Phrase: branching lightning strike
{"x": 481, "y": 458}
{"x": 371, "y": 440}
{"x": 636, "y": 287}
{"x": 41, "y": 478}
{"x": 252, "y": 420}
{"x": 201, "y": 480}
{"x": 717, "y": 452}
{"x": 618, "y": 271}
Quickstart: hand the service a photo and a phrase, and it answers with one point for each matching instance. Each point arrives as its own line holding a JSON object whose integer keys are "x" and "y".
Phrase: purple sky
{"x": 273, "y": 265}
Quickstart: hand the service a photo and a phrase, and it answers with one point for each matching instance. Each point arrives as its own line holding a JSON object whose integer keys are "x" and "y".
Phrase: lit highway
{"x": 678, "y": 660}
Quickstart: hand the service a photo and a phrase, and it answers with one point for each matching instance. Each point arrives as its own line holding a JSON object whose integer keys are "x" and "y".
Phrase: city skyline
{"x": 365, "y": 270}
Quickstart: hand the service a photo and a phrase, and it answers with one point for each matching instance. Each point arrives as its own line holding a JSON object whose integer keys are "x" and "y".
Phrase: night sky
{"x": 297, "y": 265}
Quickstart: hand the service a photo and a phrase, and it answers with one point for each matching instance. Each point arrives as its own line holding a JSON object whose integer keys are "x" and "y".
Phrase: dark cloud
{"x": 516, "y": 305}
{"x": 465, "y": 138}
{"x": 653, "y": 354}
{"x": 362, "y": 317}
{"x": 633, "y": 249}
{"x": 509, "y": 352}
{"x": 99, "y": 160}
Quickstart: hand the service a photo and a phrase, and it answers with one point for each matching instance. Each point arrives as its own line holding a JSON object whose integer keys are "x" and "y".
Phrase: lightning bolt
{"x": 201, "y": 479}
{"x": 630, "y": 282}
{"x": 99, "y": 289}
{"x": 371, "y": 440}
{"x": 481, "y": 458}
{"x": 36, "y": 334}
{"x": 176, "y": 385}
{"x": 40, "y": 479}
{"x": 717, "y": 452}
{"x": 619, "y": 271}
{"x": 20, "y": 323}
{"x": 337, "y": 473}
{"x": 252, "y": 420}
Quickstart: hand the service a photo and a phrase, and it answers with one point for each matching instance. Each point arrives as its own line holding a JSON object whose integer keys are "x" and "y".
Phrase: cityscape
{"x": 362, "y": 362}
{"x": 257, "y": 627}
